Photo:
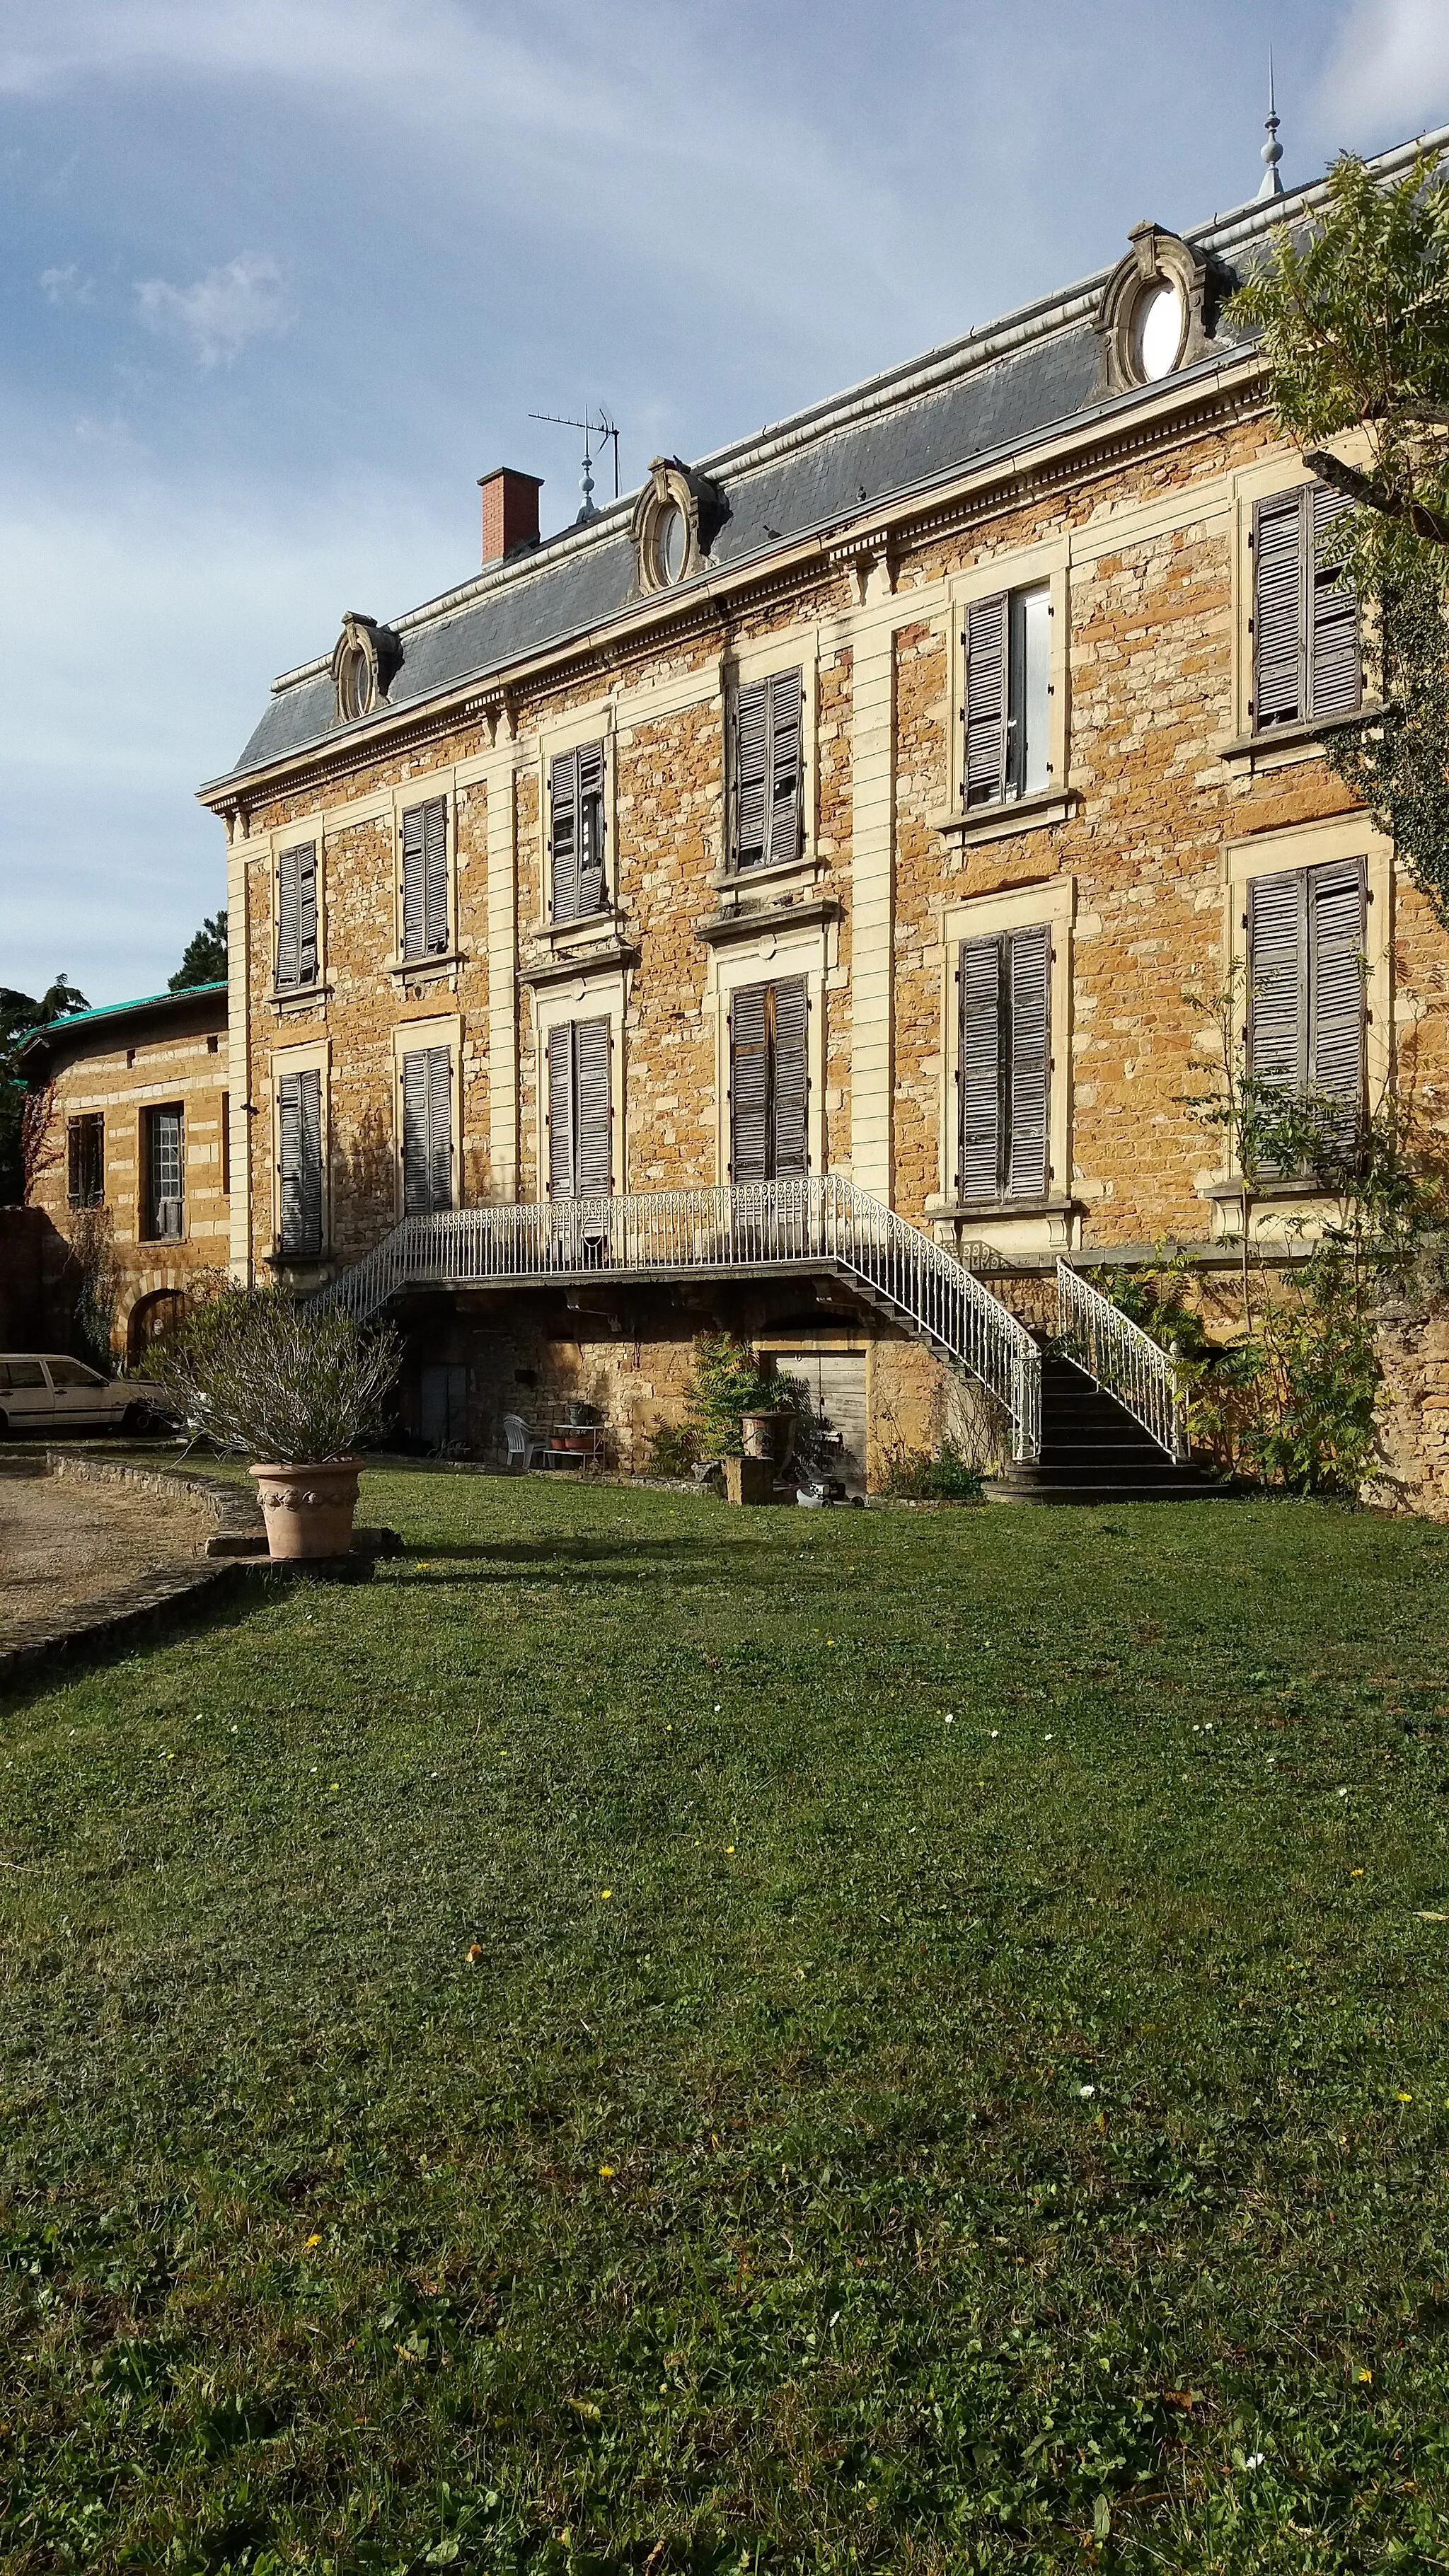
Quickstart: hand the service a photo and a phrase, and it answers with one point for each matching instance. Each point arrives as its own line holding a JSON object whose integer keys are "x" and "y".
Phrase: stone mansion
{"x": 884, "y": 797}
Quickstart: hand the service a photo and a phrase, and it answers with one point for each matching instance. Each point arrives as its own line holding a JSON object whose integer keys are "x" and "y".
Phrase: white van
{"x": 48, "y": 1392}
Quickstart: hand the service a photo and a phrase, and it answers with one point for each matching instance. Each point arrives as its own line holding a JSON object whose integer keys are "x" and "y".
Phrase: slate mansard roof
{"x": 1016, "y": 383}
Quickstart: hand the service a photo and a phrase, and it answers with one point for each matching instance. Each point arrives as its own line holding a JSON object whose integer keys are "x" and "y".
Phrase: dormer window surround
{"x": 1153, "y": 317}
{"x": 363, "y": 662}
{"x": 668, "y": 543}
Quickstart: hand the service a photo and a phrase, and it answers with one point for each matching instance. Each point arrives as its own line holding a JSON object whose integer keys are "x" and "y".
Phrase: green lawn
{"x": 955, "y": 2074}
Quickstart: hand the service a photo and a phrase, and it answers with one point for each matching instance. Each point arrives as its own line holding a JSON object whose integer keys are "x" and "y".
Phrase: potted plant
{"x": 293, "y": 1387}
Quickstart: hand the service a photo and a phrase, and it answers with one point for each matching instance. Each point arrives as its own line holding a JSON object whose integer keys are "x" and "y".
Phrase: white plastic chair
{"x": 525, "y": 1448}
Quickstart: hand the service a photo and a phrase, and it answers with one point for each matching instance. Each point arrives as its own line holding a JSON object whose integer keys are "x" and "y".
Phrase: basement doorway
{"x": 836, "y": 1380}
{"x": 443, "y": 1406}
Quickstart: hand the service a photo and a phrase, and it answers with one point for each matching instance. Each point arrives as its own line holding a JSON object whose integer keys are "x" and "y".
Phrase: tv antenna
{"x": 600, "y": 432}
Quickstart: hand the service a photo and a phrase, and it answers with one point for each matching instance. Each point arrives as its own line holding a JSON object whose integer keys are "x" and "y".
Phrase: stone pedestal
{"x": 749, "y": 1480}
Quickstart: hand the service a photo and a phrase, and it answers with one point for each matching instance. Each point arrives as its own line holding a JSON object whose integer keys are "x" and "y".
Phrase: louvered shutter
{"x": 306, "y": 859}
{"x": 1279, "y": 603}
{"x": 288, "y": 946}
{"x": 560, "y": 1113}
{"x": 590, "y": 827}
{"x": 752, "y": 761}
{"x": 1029, "y": 1064}
{"x": 414, "y": 904}
{"x": 749, "y": 1086}
{"x": 1335, "y": 677}
{"x": 1278, "y": 979}
{"x": 789, "y": 1144}
{"x": 415, "y": 1133}
{"x": 435, "y": 876}
{"x": 591, "y": 1093}
{"x": 310, "y": 1175}
{"x": 289, "y": 1161}
{"x": 986, "y": 658}
{"x": 978, "y": 1071}
{"x": 564, "y": 824}
{"x": 787, "y": 699}
{"x": 1336, "y": 983}
{"x": 440, "y": 1127}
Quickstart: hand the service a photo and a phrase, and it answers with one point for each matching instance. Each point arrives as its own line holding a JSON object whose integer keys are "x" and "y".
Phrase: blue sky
{"x": 283, "y": 277}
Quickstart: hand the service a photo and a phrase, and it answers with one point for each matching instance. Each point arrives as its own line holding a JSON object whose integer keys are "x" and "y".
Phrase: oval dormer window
{"x": 1158, "y": 329}
{"x": 671, "y": 545}
{"x": 354, "y": 684}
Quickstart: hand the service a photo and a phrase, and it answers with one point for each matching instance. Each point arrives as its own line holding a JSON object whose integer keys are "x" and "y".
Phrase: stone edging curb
{"x": 134, "y": 1607}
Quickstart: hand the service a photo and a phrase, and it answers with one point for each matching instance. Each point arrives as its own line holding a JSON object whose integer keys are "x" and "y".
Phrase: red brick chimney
{"x": 510, "y": 511}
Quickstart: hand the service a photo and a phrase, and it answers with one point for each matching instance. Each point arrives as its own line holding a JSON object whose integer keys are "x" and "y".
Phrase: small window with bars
{"x": 425, "y": 880}
{"x": 85, "y": 1156}
{"x": 580, "y": 1110}
{"x": 296, "y": 961}
{"x": 769, "y": 1081}
{"x": 1003, "y": 1066}
{"x": 767, "y": 771}
{"x": 165, "y": 1175}
{"x": 1306, "y": 665}
{"x": 299, "y": 1164}
{"x": 1306, "y": 973}
{"x": 576, "y": 832}
{"x": 426, "y": 1082}
{"x": 1006, "y": 718}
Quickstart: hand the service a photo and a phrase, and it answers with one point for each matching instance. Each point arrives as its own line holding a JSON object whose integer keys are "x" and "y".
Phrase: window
{"x": 297, "y": 916}
{"x": 1007, "y": 718}
{"x": 580, "y": 1110}
{"x": 671, "y": 545}
{"x": 299, "y": 1163}
{"x": 766, "y": 767}
{"x": 85, "y": 1143}
{"x": 165, "y": 1212}
{"x": 1306, "y": 982}
{"x": 425, "y": 880}
{"x": 1305, "y": 615}
{"x": 71, "y": 1374}
{"x": 576, "y": 840}
{"x": 1003, "y": 1066}
{"x": 427, "y": 1154}
{"x": 769, "y": 1082}
{"x": 15, "y": 1374}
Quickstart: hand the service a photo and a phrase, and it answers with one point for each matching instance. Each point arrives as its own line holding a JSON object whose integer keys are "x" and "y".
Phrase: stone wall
{"x": 1412, "y": 1473}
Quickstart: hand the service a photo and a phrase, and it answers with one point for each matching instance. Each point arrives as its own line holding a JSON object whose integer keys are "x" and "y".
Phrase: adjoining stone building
{"x": 883, "y": 798}
{"x": 139, "y": 1136}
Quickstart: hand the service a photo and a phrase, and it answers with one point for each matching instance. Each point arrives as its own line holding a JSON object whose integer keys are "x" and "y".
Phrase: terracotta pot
{"x": 309, "y": 1510}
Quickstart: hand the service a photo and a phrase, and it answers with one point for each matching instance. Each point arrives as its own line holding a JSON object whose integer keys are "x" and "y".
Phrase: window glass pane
{"x": 24, "y": 1373}
{"x": 71, "y": 1373}
{"x": 1035, "y": 715}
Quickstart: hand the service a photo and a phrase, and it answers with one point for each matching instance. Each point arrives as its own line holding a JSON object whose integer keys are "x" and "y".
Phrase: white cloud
{"x": 1389, "y": 72}
{"x": 66, "y": 286}
{"x": 222, "y": 311}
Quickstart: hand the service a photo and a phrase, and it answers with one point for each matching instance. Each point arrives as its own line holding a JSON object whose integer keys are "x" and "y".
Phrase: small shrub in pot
{"x": 296, "y": 1388}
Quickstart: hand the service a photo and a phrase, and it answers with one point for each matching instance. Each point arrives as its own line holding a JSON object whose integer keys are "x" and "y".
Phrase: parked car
{"x": 47, "y": 1392}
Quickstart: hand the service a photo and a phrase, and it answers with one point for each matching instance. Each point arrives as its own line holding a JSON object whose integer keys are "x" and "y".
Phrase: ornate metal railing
{"x": 668, "y": 1234}
{"x": 1122, "y": 1358}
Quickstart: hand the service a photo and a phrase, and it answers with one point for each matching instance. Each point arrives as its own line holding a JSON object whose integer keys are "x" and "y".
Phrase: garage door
{"x": 836, "y": 1380}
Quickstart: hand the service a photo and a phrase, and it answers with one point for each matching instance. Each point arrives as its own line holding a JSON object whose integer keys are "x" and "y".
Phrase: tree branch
{"x": 1376, "y": 496}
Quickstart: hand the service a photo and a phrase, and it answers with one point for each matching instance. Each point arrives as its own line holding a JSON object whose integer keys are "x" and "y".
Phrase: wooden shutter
{"x": 1334, "y": 673}
{"x": 435, "y": 876}
{"x": 440, "y": 1127}
{"x": 564, "y": 834}
{"x": 986, "y": 690}
{"x": 415, "y": 1133}
{"x": 789, "y": 1144}
{"x": 414, "y": 904}
{"x": 299, "y": 1122}
{"x": 311, "y": 1119}
{"x": 1336, "y": 983}
{"x": 289, "y": 963}
{"x": 306, "y": 859}
{"x": 560, "y": 1113}
{"x": 749, "y": 1086}
{"x": 590, "y": 841}
{"x": 752, "y": 761}
{"x": 1280, "y": 556}
{"x": 978, "y": 1070}
{"x": 592, "y": 1159}
{"x": 1278, "y": 979}
{"x": 1029, "y": 1062}
{"x": 787, "y": 699}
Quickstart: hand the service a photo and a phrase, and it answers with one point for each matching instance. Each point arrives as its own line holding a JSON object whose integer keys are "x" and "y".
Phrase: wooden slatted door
{"x": 580, "y": 1110}
{"x": 427, "y": 1098}
{"x": 1306, "y": 967}
{"x": 1003, "y": 1070}
{"x": 299, "y": 1161}
{"x": 425, "y": 879}
{"x": 770, "y": 1081}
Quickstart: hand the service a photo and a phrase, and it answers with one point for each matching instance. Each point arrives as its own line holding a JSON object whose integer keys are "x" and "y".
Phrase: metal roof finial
{"x": 1272, "y": 152}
